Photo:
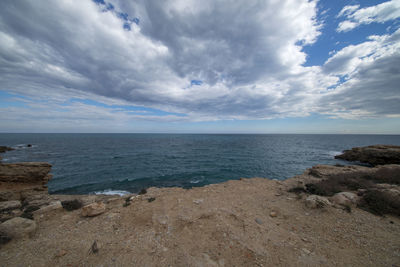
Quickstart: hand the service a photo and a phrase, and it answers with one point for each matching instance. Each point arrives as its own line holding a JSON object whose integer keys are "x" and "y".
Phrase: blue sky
{"x": 293, "y": 66}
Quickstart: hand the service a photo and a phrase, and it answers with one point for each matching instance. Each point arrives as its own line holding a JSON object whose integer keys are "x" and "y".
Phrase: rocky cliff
{"x": 374, "y": 155}
{"x": 19, "y": 181}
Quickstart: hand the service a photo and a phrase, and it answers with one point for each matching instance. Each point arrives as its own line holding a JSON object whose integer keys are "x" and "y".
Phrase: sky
{"x": 190, "y": 66}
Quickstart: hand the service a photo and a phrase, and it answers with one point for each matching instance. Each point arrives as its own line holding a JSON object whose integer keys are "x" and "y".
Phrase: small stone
{"x": 10, "y": 205}
{"x": 306, "y": 251}
{"x": 18, "y": 227}
{"x": 94, "y": 248}
{"x": 61, "y": 253}
{"x": 198, "y": 201}
{"x": 93, "y": 209}
{"x": 273, "y": 214}
{"x": 259, "y": 221}
{"x": 315, "y": 202}
{"x": 133, "y": 198}
{"x": 345, "y": 199}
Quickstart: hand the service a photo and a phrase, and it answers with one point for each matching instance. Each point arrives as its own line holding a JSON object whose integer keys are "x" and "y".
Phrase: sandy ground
{"x": 248, "y": 222}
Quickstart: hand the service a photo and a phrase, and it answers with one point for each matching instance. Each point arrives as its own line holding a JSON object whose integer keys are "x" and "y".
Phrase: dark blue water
{"x": 87, "y": 163}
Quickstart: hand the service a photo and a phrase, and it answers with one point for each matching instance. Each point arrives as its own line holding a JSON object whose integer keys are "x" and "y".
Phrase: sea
{"x": 127, "y": 163}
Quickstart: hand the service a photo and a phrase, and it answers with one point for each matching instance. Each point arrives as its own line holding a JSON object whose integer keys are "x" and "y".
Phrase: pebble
{"x": 259, "y": 221}
{"x": 273, "y": 214}
{"x": 198, "y": 201}
{"x": 306, "y": 251}
{"x": 61, "y": 253}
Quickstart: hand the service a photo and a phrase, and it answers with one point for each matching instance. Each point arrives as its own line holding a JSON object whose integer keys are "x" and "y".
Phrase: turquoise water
{"x": 88, "y": 163}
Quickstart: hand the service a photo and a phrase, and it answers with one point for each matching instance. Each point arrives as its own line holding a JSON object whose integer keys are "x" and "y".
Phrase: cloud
{"x": 371, "y": 75}
{"x": 240, "y": 52}
{"x": 190, "y": 60}
{"x": 356, "y": 16}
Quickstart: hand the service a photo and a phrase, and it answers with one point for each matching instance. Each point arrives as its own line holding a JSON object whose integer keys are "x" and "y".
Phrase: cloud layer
{"x": 194, "y": 61}
{"x": 356, "y": 16}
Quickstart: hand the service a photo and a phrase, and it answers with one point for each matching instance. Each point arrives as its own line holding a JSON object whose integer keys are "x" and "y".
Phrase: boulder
{"x": 93, "y": 209}
{"x": 345, "y": 199}
{"x": 315, "y": 201}
{"x": 18, "y": 227}
{"x": 374, "y": 155}
{"x": 10, "y": 205}
{"x": 53, "y": 206}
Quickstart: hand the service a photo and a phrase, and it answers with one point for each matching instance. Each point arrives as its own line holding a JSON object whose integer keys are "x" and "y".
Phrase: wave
{"x": 334, "y": 153}
{"x": 112, "y": 192}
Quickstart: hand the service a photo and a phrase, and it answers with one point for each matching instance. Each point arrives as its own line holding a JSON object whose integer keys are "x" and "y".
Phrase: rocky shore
{"x": 328, "y": 216}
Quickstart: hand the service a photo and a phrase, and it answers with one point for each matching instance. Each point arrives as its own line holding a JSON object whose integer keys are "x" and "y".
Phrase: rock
{"x": 71, "y": 204}
{"x": 93, "y": 209}
{"x": 259, "y": 221}
{"x": 27, "y": 172}
{"x": 94, "y": 248}
{"x": 61, "y": 253}
{"x": 53, "y": 206}
{"x": 273, "y": 214}
{"x": 18, "y": 227}
{"x": 5, "y": 149}
{"x": 315, "y": 202}
{"x": 374, "y": 155}
{"x": 345, "y": 199}
{"x": 10, "y": 205}
{"x": 24, "y": 180}
{"x": 198, "y": 201}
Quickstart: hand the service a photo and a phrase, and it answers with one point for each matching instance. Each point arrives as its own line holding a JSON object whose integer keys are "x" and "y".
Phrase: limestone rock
{"x": 53, "y": 206}
{"x": 374, "y": 155}
{"x": 27, "y": 172}
{"x": 315, "y": 202}
{"x": 18, "y": 227}
{"x": 10, "y": 205}
{"x": 93, "y": 209}
{"x": 345, "y": 199}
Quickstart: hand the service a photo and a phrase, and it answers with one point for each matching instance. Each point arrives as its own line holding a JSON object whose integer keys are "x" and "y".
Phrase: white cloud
{"x": 372, "y": 81}
{"x": 239, "y": 50}
{"x": 249, "y": 57}
{"x": 356, "y": 16}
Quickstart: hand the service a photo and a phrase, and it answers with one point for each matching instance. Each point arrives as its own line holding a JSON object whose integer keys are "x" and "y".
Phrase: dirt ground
{"x": 248, "y": 222}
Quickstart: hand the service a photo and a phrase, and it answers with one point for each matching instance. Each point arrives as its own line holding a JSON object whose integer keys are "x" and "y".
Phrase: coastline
{"x": 247, "y": 222}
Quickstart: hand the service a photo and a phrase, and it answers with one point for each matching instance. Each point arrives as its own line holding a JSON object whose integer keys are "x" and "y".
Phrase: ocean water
{"x": 120, "y": 163}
